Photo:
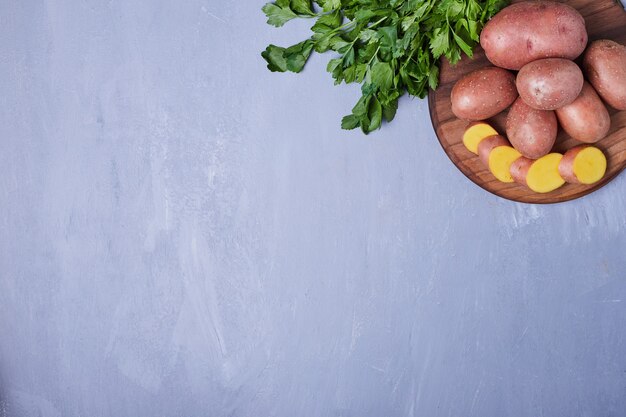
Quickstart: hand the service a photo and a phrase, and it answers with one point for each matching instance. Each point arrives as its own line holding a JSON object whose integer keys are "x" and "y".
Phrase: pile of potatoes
{"x": 533, "y": 45}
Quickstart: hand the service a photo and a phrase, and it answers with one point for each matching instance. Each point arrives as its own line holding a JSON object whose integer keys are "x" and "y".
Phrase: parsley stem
{"x": 376, "y": 23}
{"x": 374, "y": 56}
{"x": 344, "y": 26}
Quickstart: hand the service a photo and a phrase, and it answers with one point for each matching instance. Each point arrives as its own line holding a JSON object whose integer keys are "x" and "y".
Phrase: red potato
{"x": 474, "y": 133}
{"x": 526, "y": 31}
{"x": 498, "y": 155}
{"x": 483, "y": 93}
{"x": 566, "y": 168}
{"x": 488, "y": 144}
{"x": 540, "y": 175}
{"x": 532, "y": 132}
{"x": 519, "y": 169}
{"x": 547, "y": 84}
{"x": 605, "y": 67}
{"x": 583, "y": 164}
{"x": 585, "y": 119}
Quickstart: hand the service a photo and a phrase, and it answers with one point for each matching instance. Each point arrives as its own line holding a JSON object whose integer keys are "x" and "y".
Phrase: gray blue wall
{"x": 183, "y": 233}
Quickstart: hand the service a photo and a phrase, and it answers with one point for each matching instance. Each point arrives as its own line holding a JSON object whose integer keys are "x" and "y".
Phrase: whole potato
{"x": 547, "y": 84}
{"x": 483, "y": 93}
{"x": 532, "y": 132}
{"x": 585, "y": 119}
{"x": 531, "y": 30}
{"x": 605, "y": 67}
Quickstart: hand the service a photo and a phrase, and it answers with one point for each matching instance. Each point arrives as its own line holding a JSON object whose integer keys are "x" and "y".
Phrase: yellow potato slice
{"x": 543, "y": 175}
{"x": 500, "y": 160}
{"x": 475, "y": 133}
{"x": 589, "y": 165}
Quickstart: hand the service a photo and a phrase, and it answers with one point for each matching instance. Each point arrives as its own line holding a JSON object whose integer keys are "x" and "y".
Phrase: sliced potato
{"x": 583, "y": 165}
{"x": 500, "y": 161}
{"x": 541, "y": 175}
{"x": 497, "y": 154}
{"x": 475, "y": 133}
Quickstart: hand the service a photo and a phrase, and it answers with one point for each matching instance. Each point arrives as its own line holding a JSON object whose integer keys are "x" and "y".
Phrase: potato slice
{"x": 475, "y": 133}
{"x": 497, "y": 154}
{"x": 583, "y": 165}
{"x": 519, "y": 169}
{"x": 500, "y": 160}
{"x": 543, "y": 175}
{"x": 540, "y": 175}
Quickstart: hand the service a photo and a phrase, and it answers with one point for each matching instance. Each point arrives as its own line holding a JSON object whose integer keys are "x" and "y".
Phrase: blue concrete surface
{"x": 183, "y": 233}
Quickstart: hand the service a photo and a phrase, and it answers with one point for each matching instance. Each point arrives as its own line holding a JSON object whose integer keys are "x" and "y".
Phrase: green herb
{"x": 389, "y": 47}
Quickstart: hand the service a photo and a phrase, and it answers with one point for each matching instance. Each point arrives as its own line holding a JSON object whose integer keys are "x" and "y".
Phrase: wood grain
{"x": 605, "y": 19}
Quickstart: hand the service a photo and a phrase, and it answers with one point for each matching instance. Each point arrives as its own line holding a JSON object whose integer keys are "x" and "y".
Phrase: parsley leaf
{"x": 440, "y": 41}
{"x": 390, "y": 47}
{"x": 382, "y": 75}
{"x": 277, "y": 15}
{"x": 302, "y": 7}
{"x": 328, "y": 5}
{"x": 274, "y": 55}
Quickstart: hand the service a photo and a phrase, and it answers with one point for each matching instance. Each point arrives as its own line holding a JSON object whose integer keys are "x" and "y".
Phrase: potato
{"x": 531, "y": 30}
{"x": 532, "y": 132}
{"x": 547, "y": 84}
{"x": 604, "y": 64}
{"x": 474, "y": 133}
{"x": 483, "y": 93}
{"x": 498, "y": 155}
{"x": 585, "y": 119}
{"x": 519, "y": 169}
{"x": 583, "y": 164}
{"x": 489, "y": 144}
{"x": 541, "y": 175}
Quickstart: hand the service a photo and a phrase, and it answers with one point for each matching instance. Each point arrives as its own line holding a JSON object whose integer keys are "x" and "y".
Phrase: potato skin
{"x": 519, "y": 169}
{"x": 530, "y": 30}
{"x": 585, "y": 119}
{"x": 488, "y": 144}
{"x": 548, "y": 84}
{"x": 483, "y": 93}
{"x": 566, "y": 166}
{"x": 532, "y": 132}
{"x": 604, "y": 64}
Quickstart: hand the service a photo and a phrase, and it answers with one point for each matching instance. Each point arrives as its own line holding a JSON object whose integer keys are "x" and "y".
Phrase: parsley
{"x": 388, "y": 46}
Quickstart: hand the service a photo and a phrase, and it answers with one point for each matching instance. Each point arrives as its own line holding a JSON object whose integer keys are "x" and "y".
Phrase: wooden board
{"x": 606, "y": 19}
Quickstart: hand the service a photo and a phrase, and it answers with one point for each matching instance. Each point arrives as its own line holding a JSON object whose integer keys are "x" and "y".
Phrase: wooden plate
{"x": 606, "y": 19}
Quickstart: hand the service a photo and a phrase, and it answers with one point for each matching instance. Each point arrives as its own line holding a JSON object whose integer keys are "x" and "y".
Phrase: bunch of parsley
{"x": 389, "y": 46}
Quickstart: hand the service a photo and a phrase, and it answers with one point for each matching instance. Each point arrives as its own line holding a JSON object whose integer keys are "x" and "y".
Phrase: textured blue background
{"x": 183, "y": 233}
